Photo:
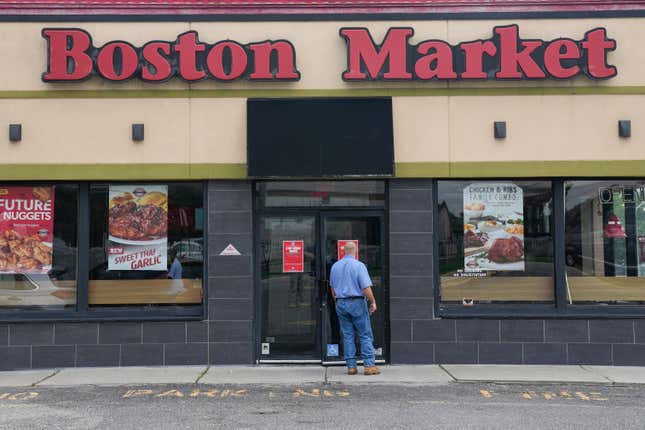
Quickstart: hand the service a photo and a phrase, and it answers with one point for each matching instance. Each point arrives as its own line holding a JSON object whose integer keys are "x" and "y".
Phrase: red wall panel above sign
{"x": 308, "y": 7}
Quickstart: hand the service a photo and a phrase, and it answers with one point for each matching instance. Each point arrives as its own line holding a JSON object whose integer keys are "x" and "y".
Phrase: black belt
{"x": 351, "y": 298}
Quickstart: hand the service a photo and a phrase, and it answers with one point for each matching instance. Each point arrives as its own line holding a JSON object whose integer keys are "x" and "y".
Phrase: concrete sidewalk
{"x": 297, "y": 375}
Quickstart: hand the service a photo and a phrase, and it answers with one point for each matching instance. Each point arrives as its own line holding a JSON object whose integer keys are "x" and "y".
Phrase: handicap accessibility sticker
{"x": 332, "y": 350}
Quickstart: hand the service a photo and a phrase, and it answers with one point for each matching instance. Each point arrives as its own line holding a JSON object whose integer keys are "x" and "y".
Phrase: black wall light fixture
{"x": 499, "y": 129}
{"x": 137, "y": 132}
{"x": 624, "y": 128}
{"x": 15, "y": 132}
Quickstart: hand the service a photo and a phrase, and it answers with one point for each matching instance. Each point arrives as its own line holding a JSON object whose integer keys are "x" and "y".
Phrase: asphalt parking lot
{"x": 445, "y": 406}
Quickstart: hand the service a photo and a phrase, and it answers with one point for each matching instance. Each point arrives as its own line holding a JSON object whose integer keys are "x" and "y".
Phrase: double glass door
{"x": 295, "y": 253}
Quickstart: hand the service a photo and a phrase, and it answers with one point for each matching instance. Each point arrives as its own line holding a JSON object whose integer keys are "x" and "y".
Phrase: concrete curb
{"x": 305, "y": 375}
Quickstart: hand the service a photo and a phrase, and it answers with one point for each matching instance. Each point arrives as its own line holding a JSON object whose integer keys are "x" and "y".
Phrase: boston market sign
{"x": 72, "y": 57}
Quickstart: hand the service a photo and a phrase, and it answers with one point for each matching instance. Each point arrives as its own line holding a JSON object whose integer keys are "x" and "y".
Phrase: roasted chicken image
{"x": 506, "y": 250}
{"x": 132, "y": 221}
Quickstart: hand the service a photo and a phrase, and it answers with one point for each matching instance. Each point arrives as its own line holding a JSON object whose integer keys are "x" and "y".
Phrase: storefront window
{"x": 146, "y": 244}
{"x": 320, "y": 194}
{"x": 605, "y": 241}
{"x": 495, "y": 242}
{"x": 38, "y": 245}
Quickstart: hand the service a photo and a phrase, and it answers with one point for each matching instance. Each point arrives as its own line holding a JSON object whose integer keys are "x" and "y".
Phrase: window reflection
{"x": 320, "y": 193}
{"x": 495, "y": 241}
{"x": 605, "y": 241}
{"x": 176, "y": 277}
{"x": 38, "y": 266}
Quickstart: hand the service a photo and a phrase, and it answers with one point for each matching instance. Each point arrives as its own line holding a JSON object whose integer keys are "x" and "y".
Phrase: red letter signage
{"x": 364, "y": 56}
{"x": 504, "y": 56}
{"x": 72, "y": 57}
{"x": 68, "y": 59}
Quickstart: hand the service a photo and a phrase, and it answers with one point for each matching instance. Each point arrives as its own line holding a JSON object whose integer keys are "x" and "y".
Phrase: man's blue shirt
{"x": 349, "y": 277}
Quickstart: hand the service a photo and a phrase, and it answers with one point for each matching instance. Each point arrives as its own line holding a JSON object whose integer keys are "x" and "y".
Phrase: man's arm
{"x": 366, "y": 284}
{"x": 369, "y": 294}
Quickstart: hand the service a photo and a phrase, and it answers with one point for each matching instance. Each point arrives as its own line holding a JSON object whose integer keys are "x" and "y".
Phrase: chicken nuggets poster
{"x": 26, "y": 229}
{"x": 138, "y": 227}
{"x": 493, "y": 227}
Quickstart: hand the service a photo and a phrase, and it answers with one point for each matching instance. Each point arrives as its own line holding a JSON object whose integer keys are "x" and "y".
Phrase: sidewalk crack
{"x": 612, "y": 382}
{"x": 201, "y": 375}
{"x": 447, "y": 372}
{"x": 56, "y": 372}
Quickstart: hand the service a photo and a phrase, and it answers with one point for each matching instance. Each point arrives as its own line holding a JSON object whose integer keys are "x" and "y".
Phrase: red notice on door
{"x": 293, "y": 256}
{"x": 341, "y": 247}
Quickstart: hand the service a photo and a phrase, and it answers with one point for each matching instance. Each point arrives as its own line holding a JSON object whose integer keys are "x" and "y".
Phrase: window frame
{"x": 82, "y": 312}
{"x": 559, "y": 308}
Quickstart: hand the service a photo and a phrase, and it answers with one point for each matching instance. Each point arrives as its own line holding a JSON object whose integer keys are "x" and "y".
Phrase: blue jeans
{"x": 353, "y": 314}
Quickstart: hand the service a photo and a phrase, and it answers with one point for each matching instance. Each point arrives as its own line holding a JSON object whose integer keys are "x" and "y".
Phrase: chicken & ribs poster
{"x": 138, "y": 227}
{"x": 493, "y": 227}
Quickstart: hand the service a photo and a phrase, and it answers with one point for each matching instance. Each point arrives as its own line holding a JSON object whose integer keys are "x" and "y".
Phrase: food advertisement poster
{"x": 341, "y": 247}
{"x": 293, "y": 256}
{"x": 138, "y": 227}
{"x": 26, "y": 229}
{"x": 493, "y": 227}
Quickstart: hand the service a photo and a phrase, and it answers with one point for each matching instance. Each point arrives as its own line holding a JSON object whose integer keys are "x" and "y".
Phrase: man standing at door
{"x": 350, "y": 286}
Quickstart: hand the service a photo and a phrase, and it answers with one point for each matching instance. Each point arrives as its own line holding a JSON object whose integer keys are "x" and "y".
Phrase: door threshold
{"x": 288, "y": 361}
{"x": 342, "y": 362}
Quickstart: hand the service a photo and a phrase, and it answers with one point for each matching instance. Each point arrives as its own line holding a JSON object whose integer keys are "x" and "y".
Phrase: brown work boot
{"x": 373, "y": 370}
{"x": 352, "y": 371}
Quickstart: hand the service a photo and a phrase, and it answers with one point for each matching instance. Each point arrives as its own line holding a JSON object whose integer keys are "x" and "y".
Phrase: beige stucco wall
{"x": 460, "y": 129}
{"x": 426, "y": 129}
{"x": 210, "y": 128}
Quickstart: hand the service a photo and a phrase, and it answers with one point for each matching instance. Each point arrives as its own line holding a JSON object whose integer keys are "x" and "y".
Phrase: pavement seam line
{"x": 56, "y": 372}
{"x": 611, "y": 381}
{"x": 326, "y": 381}
{"x": 201, "y": 375}
{"x": 448, "y": 373}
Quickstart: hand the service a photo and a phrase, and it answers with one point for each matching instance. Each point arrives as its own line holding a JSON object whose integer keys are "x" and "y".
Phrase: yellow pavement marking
{"x": 317, "y": 393}
{"x": 582, "y": 396}
{"x": 487, "y": 394}
{"x": 597, "y": 396}
{"x": 208, "y": 393}
{"x": 528, "y": 394}
{"x": 136, "y": 393}
{"x": 300, "y": 392}
{"x": 554, "y": 395}
{"x": 19, "y": 396}
{"x": 171, "y": 393}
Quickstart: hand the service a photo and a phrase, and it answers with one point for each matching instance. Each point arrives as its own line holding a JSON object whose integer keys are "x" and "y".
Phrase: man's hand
{"x": 372, "y": 308}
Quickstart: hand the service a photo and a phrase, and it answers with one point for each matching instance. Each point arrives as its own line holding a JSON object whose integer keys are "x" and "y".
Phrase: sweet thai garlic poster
{"x": 138, "y": 227}
{"x": 493, "y": 227}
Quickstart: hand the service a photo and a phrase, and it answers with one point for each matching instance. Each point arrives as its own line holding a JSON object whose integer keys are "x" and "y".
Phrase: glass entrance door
{"x": 290, "y": 290}
{"x": 367, "y": 230}
{"x": 296, "y": 252}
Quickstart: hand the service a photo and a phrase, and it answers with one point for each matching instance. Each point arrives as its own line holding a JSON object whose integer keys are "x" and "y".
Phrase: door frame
{"x": 319, "y": 214}
{"x": 330, "y": 214}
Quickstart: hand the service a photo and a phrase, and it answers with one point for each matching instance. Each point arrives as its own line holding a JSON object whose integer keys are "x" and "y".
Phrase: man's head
{"x": 350, "y": 248}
